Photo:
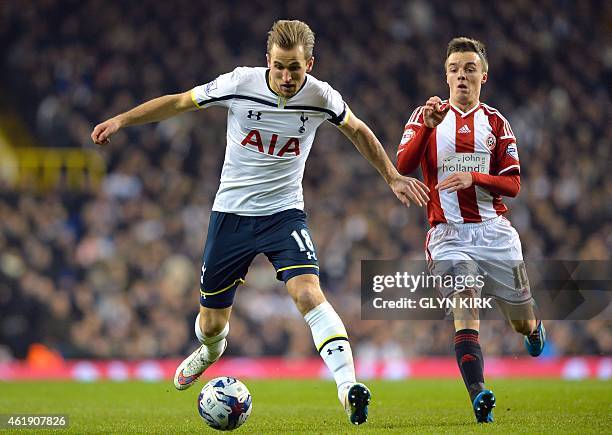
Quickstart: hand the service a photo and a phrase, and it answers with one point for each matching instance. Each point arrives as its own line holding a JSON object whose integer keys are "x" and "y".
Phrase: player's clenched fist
{"x": 102, "y": 132}
{"x": 434, "y": 112}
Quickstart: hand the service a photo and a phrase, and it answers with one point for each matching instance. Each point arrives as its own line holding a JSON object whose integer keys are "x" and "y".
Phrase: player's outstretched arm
{"x": 405, "y": 188}
{"x": 153, "y": 110}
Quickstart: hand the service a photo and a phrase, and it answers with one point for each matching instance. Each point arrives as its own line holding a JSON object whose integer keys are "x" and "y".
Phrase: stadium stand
{"x": 112, "y": 271}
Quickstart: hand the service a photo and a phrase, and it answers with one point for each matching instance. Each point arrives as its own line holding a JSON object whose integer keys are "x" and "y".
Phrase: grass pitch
{"x": 414, "y": 406}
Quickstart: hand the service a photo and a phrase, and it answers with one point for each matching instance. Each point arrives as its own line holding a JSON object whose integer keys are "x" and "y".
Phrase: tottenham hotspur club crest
{"x": 303, "y": 118}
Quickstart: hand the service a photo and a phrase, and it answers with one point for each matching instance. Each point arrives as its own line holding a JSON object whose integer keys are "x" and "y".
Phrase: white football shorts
{"x": 490, "y": 249}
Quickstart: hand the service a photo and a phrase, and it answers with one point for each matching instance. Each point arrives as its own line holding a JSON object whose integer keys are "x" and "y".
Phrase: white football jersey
{"x": 268, "y": 138}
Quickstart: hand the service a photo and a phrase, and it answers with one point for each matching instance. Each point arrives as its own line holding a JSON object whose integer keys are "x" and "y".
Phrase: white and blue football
{"x": 225, "y": 403}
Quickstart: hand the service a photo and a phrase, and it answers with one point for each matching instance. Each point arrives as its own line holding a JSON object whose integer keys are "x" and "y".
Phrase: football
{"x": 225, "y": 403}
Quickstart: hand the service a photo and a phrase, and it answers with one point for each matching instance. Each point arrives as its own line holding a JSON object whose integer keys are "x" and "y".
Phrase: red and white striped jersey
{"x": 479, "y": 140}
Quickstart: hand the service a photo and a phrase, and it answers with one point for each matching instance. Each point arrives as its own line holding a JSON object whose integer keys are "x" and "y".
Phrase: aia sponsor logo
{"x": 273, "y": 148}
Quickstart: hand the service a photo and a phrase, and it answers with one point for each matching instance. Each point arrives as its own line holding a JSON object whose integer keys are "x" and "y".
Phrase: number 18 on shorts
{"x": 233, "y": 241}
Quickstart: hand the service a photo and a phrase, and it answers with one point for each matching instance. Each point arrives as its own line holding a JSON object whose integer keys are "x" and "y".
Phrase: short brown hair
{"x": 463, "y": 44}
{"x": 288, "y": 34}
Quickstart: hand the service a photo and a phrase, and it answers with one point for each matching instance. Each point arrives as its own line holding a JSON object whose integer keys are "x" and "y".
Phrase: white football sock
{"x": 331, "y": 341}
{"x": 214, "y": 345}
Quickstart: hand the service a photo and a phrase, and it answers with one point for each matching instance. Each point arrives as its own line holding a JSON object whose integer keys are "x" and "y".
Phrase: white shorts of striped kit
{"x": 491, "y": 249}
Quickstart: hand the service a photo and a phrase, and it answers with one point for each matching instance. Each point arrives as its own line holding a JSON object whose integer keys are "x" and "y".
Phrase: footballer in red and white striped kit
{"x": 469, "y": 158}
{"x": 479, "y": 141}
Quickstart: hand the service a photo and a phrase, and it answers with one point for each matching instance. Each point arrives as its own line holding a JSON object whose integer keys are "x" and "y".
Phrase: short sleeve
{"x": 337, "y": 110}
{"x": 218, "y": 92}
{"x": 411, "y": 128}
{"x": 416, "y": 119}
{"x": 506, "y": 150}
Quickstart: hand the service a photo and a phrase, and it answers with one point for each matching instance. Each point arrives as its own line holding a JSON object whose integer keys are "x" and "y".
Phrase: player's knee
{"x": 306, "y": 292}
{"x": 465, "y": 318}
{"x": 468, "y": 293}
{"x": 523, "y": 326}
{"x": 212, "y": 325}
{"x": 466, "y": 324}
{"x": 212, "y": 329}
{"x": 309, "y": 299}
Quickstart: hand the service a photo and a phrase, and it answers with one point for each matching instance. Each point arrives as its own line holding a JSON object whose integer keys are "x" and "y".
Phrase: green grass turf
{"x": 415, "y": 406}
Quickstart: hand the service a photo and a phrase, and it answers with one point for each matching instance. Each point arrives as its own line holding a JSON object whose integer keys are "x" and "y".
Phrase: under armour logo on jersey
{"x": 340, "y": 348}
{"x": 254, "y": 114}
{"x": 303, "y": 118}
{"x": 465, "y": 129}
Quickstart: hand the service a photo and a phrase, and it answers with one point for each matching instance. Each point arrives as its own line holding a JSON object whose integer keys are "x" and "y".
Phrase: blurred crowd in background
{"x": 115, "y": 272}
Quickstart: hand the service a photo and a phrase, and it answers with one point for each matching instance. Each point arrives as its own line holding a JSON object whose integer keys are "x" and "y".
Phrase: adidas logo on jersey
{"x": 465, "y": 129}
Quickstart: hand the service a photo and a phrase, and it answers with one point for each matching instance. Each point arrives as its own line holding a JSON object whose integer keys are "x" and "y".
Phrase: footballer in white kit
{"x": 273, "y": 114}
{"x": 469, "y": 158}
{"x": 269, "y": 138}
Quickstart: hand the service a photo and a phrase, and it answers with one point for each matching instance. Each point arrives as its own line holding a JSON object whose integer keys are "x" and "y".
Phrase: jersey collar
{"x": 282, "y": 100}
{"x": 461, "y": 112}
